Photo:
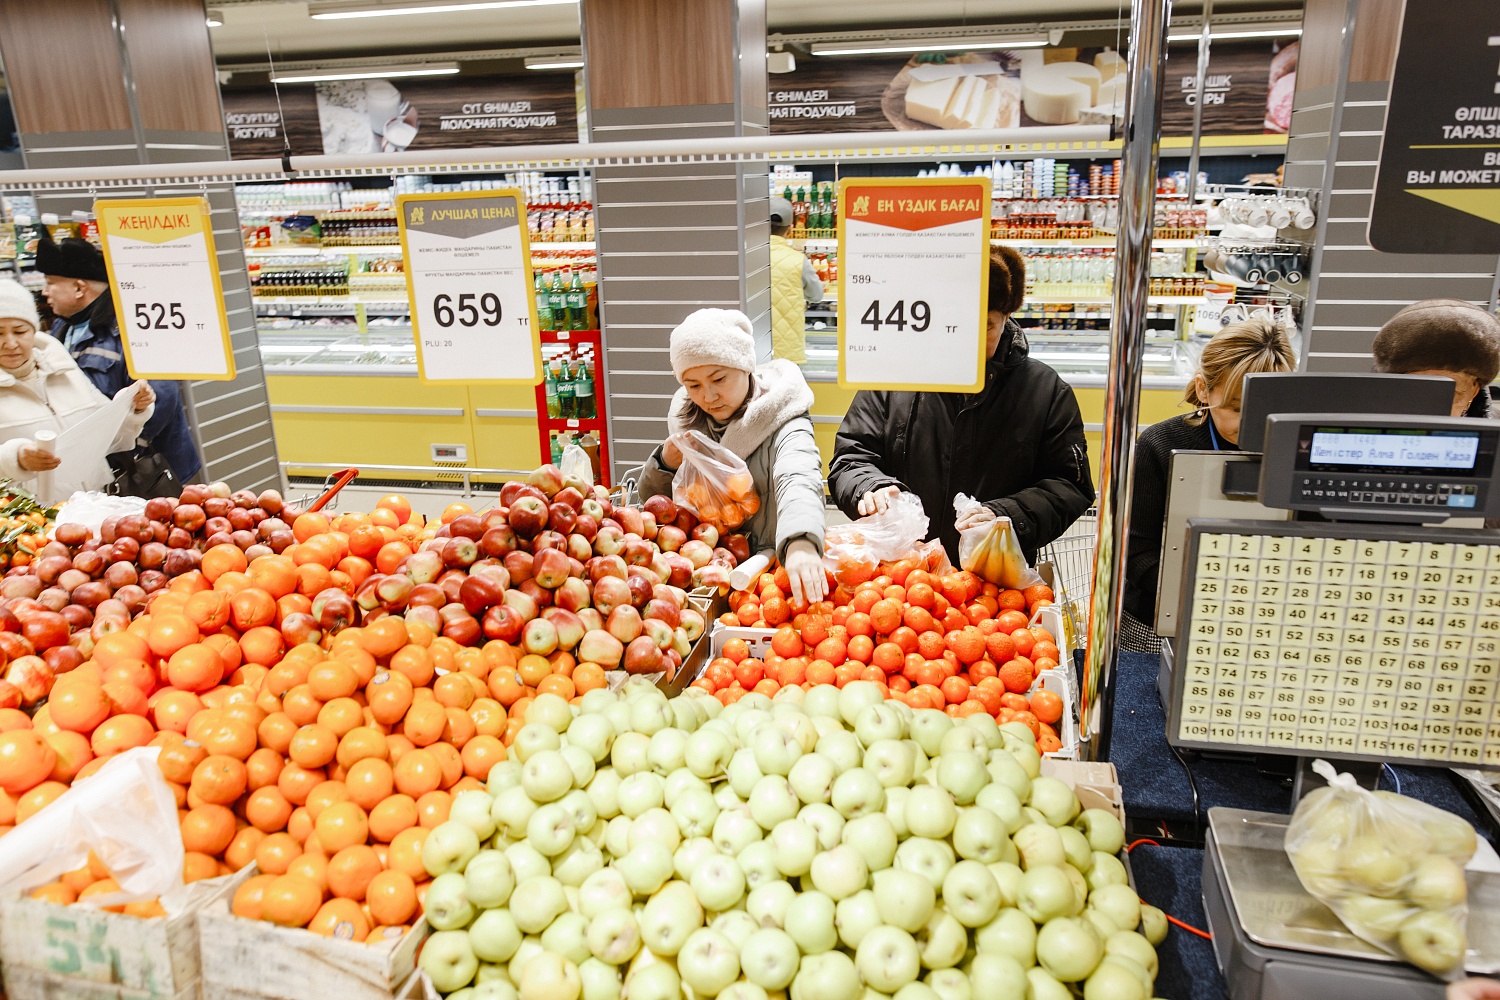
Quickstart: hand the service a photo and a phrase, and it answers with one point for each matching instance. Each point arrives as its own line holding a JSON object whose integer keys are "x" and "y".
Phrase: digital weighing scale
{"x": 1369, "y": 635}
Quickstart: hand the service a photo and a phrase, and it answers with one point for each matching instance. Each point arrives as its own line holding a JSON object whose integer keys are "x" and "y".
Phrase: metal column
{"x": 1146, "y": 83}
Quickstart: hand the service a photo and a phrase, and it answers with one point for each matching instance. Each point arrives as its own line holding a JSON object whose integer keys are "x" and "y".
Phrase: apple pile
{"x": 827, "y": 842}
{"x": 1391, "y": 867}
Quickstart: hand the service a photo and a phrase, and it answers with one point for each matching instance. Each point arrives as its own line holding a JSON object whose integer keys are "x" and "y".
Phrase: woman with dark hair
{"x": 1016, "y": 445}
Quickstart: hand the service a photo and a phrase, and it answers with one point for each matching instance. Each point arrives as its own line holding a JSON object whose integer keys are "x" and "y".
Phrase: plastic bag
{"x": 991, "y": 550}
{"x": 576, "y": 467}
{"x": 713, "y": 482}
{"x": 90, "y": 509}
{"x": 125, "y": 814}
{"x": 1390, "y": 867}
{"x": 857, "y": 549}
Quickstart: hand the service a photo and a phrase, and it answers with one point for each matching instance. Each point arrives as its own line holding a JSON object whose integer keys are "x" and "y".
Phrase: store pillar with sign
{"x": 146, "y": 93}
{"x": 673, "y": 238}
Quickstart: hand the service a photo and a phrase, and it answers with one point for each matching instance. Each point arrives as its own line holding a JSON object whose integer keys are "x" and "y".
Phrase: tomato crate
{"x": 255, "y": 960}
{"x": 55, "y": 952}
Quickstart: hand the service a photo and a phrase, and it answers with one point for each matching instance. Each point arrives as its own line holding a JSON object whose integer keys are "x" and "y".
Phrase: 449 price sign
{"x": 913, "y": 283}
{"x": 164, "y": 274}
{"x": 468, "y": 275}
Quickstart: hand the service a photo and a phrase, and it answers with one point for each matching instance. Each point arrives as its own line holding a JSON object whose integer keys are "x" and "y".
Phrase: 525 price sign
{"x": 914, "y": 267}
{"x": 468, "y": 276}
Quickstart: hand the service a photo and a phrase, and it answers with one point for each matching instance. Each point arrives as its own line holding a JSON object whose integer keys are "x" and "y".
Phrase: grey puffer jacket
{"x": 774, "y": 435}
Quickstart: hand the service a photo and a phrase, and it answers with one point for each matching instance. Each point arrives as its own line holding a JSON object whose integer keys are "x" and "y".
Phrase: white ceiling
{"x": 251, "y": 27}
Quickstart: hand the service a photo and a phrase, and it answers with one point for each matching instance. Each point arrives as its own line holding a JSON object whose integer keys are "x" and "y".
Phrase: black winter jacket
{"x": 1017, "y": 446}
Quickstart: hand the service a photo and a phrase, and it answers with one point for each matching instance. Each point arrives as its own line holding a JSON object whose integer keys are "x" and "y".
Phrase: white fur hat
{"x": 713, "y": 337}
{"x": 18, "y": 303}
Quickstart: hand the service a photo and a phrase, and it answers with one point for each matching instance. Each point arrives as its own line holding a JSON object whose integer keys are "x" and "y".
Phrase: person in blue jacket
{"x": 77, "y": 289}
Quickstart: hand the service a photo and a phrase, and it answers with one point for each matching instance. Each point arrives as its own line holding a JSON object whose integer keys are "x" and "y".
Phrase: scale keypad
{"x": 1354, "y": 647}
{"x": 1338, "y": 491}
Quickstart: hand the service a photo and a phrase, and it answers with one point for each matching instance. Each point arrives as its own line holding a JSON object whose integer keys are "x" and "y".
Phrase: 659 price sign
{"x": 164, "y": 274}
{"x": 913, "y": 283}
{"x": 468, "y": 275}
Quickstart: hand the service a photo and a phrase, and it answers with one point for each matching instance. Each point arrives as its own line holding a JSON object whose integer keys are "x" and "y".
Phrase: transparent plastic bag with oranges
{"x": 713, "y": 482}
{"x": 987, "y": 546}
{"x": 854, "y": 550}
{"x": 124, "y": 814}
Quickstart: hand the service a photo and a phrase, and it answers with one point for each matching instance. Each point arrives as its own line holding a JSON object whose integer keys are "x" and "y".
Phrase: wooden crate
{"x": 254, "y": 960}
{"x": 53, "y": 952}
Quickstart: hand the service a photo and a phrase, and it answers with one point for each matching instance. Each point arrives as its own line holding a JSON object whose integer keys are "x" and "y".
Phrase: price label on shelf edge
{"x": 913, "y": 283}
{"x": 468, "y": 276}
{"x": 164, "y": 274}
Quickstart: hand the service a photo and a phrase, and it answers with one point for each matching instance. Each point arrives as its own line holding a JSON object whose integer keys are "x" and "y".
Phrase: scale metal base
{"x": 1273, "y": 941}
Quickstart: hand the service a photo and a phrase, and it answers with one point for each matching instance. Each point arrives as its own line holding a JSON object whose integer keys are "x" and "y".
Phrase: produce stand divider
{"x": 53, "y": 952}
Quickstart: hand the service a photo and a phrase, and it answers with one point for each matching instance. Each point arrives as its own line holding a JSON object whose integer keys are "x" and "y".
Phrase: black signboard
{"x": 1438, "y": 188}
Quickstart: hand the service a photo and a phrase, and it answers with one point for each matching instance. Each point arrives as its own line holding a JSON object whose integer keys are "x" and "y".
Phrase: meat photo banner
{"x": 390, "y": 116}
{"x": 1248, "y": 90}
{"x": 913, "y": 283}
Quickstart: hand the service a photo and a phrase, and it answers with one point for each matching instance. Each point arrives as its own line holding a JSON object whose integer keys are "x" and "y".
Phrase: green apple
{"x": 532, "y": 739}
{"x": 895, "y": 810}
{"x": 536, "y": 902}
{"x": 613, "y": 936}
{"x": 1045, "y": 987}
{"x": 1112, "y": 981}
{"x": 1080, "y": 888}
{"x": 526, "y": 862}
{"x": 473, "y": 809}
{"x": 810, "y": 921}
{"x": 775, "y": 750}
{"x": 943, "y": 941}
{"x": 719, "y": 883}
{"x": 840, "y": 747}
{"x": 550, "y": 976}
{"x": 1374, "y": 917}
{"x": 449, "y": 848}
{"x": 551, "y": 710}
{"x": 994, "y": 976}
{"x": 512, "y": 811}
{"x": 1045, "y": 893}
{"x": 1368, "y": 861}
{"x": 735, "y": 830}
{"x": 758, "y": 862}
{"x": 604, "y": 792}
{"x": 657, "y": 981}
{"x": 987, "y": 727}
{"x": 668, "y": 749}
{"x": 855, "y": 916}
{"x": 448, "y": 960}
{"x": 767, "y": 904}
{"x": 1053, "y": 799}
{"x": 887, "y": 959}
{"x": 639, "y": 793}
{"x": 930, "y": 811}
{"x": 1434, "y": 941}
{"x": 546, "y": 776}
{"x": 707, "y": 753}
{"x": 826, "y": 822}
{"x": 962, "y": 739}
{"x": 904, "y": 899}
{"x": 695, "y": 812}
{"x": 951, "y": 984}
{"x": 550, "y": 828}
{"x": 857, "y": 698}
{"x": 1002, "y": 800}
{"x": 1119, "y": 903}
{"x": 494, "y": 936}
{"x": 445, "y": 904}
{"x": 592, "y": 734}
{"x": 1104, "y": 831}
{"x": 879, "y": 722}
{"x": 1008, "y": 877}
{"x": 812, "y": 776}
{"x": 1153, "y": 924}
{"x": 646, "y": 867}
{"x": 821, "y": 700}
{"x": 668, "y": 918}
{"x": 568, "y": 936}
{"x": 1451, "y": 836}
{"x": 655, "y": 824}
{"x": 915, "y": 991}
{"x": 892, "y": 763}
{"x": 708, "y": 962}
{"x": 1437, "y": 883}
{"x": 1011, "y": 933}
{"x": 601, "y": 981}
{"x": 772, "y": 800}
{"x": 1076, "y": 847}
{"x": 930, "y": 859}
{"x": 531, "y": 946}
{"x": 743, "y": 772}
{"x": 963, "y": 775}
{"x": 1102, "y": 924}
{"x": 874, "y": 838}
{"x": 830, "y": 975}
{"x": 1132, "y": 946}
{"x": 928, "y": 728}
{"x": 840, "y": 872}
{"x": 582, "y": 763}
{"x": 1039, "y": 845}
{"x": 1068, "y": 948}
{"x": 858, "y": 792}
{"x": 794, "y": 844}
{"x": 493, "y": 989}
{"x": 1320, "y": 868}
{"x": 1106, "y": 870}
{"x": 680, "y": 782}
{"x": 1006, "y": 770}
{"x": 770, "y": 959}
{"x": 971, "y": 894}
{"x": 488, "y": 879}
{"x": 505, "y": 774}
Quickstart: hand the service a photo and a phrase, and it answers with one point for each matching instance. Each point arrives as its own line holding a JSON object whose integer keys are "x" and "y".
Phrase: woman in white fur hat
{"x": 42, "y": 389}
{"x": 759, "y": 412}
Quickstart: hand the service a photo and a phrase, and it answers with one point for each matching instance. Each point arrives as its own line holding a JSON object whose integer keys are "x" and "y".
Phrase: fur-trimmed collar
{"x": 779, "y": 393}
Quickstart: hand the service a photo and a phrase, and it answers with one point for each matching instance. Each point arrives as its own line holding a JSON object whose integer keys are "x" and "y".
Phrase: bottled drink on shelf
{"x": 544, "y": 319}
{"x": 554, "y": 405}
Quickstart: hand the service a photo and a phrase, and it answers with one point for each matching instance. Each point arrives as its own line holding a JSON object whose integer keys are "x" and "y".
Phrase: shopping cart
{"x": 327, "y": 498}
{"x": 1071, "y": 557}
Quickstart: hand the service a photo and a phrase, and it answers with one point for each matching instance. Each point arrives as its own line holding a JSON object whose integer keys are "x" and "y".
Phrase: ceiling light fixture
{"x": 1247, "y": 33}
{"x": 334, "y": 11}
{"x": 215, "y": 18}
{"x": 924, "y": 45}
{"x": 364, "y": 73}
{"x": 554, "y": 62}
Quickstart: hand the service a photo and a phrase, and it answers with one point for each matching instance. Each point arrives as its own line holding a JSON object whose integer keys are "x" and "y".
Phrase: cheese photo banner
{"x": 468, "y": 275}
{"x": 164, "y": 274}
{"x": 913, "y": 283}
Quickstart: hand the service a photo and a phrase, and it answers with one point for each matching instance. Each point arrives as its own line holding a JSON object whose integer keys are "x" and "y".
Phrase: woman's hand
{"x": 804, "y": 567}
{"x": 876, "y": 501}
{"x": 975, "y": 518}
{"x": 671, "y": 455}
{"x": 1474, "y": 989}
{"x": 144, "y": 396}
{"x": 33, "y": 459}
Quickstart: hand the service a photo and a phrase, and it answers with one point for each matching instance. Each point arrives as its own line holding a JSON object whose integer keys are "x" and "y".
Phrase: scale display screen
{"x": 1377, "y": 642}
{"x": 1404, "y": 451}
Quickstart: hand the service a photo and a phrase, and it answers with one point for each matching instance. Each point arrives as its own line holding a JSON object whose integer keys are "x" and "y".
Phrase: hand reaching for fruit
{"x": 671, "y": 455}
{"x": 876, "y": 501}
{"x": 804, "y": 567}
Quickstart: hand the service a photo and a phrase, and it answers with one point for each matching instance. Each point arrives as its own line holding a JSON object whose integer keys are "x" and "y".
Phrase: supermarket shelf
{"x": 385, "y": 248}
{"x": 1154, "y": 300}
{"x": 544, "y": 245}
{"x": 1106, "y": 242}
{"x": 330, "y": 307}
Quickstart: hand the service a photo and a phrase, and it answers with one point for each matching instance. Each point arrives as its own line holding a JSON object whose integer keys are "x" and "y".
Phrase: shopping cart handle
{"x": 343, "y": 479}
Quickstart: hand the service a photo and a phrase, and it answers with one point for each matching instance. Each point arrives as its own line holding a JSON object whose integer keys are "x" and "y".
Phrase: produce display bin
{"x": 254, "y": 960}
{"x": 53, "y": 952}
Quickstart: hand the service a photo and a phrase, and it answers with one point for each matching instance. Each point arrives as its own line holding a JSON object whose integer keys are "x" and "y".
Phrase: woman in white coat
{"x": 42, "y": 389}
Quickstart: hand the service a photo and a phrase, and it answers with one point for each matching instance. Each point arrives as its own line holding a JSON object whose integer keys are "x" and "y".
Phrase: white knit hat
{"x": 18, "y": 303}
{"x": 713, "y": 337}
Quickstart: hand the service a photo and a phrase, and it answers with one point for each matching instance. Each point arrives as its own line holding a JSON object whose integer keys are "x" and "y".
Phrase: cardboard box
{"x": 1096, "y": 783}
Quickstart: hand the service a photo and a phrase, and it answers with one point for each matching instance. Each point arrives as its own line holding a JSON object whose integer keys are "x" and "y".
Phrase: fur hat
{"x": 18, "y": 303}
{"x": 1007, "y": 280}
{"x": 713, "y": 337}
{"x": 72, "y": 258}
{"x": 1440, "y": 335}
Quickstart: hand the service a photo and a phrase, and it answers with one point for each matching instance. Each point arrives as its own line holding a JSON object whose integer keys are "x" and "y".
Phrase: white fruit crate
{"x": 55, "y": 952}
{"x": 255, "y": 960}
{"x": 758, "y": 639}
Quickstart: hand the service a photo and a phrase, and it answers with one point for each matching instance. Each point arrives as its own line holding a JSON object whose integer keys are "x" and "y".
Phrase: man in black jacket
{"x": 1017, "y": 445}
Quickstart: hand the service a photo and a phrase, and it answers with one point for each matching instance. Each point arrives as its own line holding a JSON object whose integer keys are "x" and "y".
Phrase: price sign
{"x": 159, "y": 253}
{"x": 468, "y": 275}
{"x": 913, "y": 283}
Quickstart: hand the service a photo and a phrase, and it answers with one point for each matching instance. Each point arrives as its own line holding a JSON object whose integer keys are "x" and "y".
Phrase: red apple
{"x": 579, "y": 548}
{"x": 153, "y": 580}
{"x": 179, "y": 538}
{"x": 10, "y": 695}
{"x": 265, "y": 529}
{"x": 610, "y": 541}
{"x": 46, "y": 629}
{"x": 600, "y": 647}
{"x": 25, "y": 586}
{"x": 189, "y": 517}
{"x": 643, "y": 656}
{"x": 394, "y": 591}
{"x": 460, "y": 551}
{"x": 680, "y": 571}
{"x": 426, "y": 595}
{"x": 157, "y": 509}
{"x": 528, "y": 516}
{"x": 481, "y": 592}
{"x": 133, "y": 596}
{"x": 624, "y": 623}
{"x": 664, "y": 611}
{"x": 662, "y": 508}
{"x": 510, "y": 491}
{"x": 271, "y": 502}
{"x": 569, "y": 628}
{"x": 503, "y": 623}
{"x": 659, "y": 632}
{"x": 78, "y": 617}
{"x": 465, "y": 631}
{"x": 611, "y": 592}
{"x": 649, "y": 527}
{"x": 212, "y": 506}
{"x": 451, "y": 581}
{"x": 523, "y": 603}
{"x": 573, "y": 595}
{"x": 31, "y": 676}
{"x": 707, "y": 534}
{"x": 586, "y": 527}
{"x": 467, "y": 526}
{"x": 697, "y": 552}
{"x": 591, "y": 619}
{"x": 687, "y": 520}
{"x": 550, "y": 568}
{"x": 593, "y": 508}
{"x": 640, "y": 590}
{"x": 638, "y": 551}
{"x": 630, "y": 520}
{"x": 561, "y": 518}
{"x": 427, "y": 617}
{"x": 297, "y": 628}
{"x": 541, "y": 595}
{"x": 671, "y": 538}
{"x": 519, "y": 565}
{"x": 497, "y": 541}
{"x": 334, "y": 610}
{"x": 571, "y": 496}
{"x": 548, "y": 478}
{"x": 601, "y": 566}
{"x": 692, "y": 624}
{"x": 424, "y": 567}
{"x": 712, "y": 575}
